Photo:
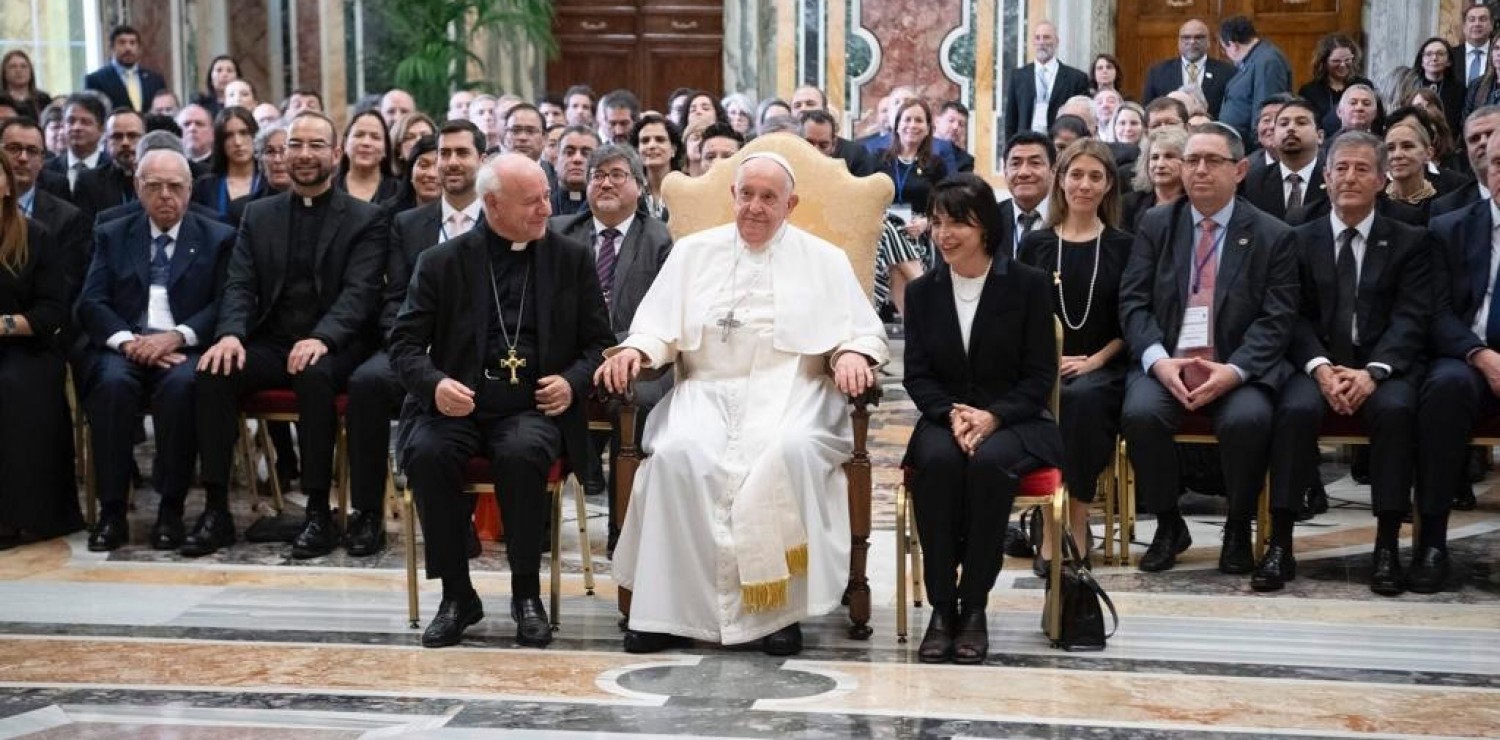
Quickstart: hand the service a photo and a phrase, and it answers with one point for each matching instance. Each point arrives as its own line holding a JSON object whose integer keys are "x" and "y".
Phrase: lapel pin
{"x": 1380, "y": 243}
{"x": 1244, "y": 241}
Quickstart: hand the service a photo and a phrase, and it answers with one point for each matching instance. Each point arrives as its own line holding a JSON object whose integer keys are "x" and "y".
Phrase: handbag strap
{"x": 1070, "y": 551}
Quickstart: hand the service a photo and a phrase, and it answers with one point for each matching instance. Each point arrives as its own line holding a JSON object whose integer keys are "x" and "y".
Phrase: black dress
{"x": 1090, "y": 403}
{"x": 38, "y": 495}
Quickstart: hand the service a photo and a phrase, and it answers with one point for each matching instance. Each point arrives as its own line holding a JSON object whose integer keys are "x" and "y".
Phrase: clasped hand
{"x": 1193, "y": 381}
{"x": 971, "y": 426}
{"x": 154, "y": 350}
{"x": 1344, "y": 388}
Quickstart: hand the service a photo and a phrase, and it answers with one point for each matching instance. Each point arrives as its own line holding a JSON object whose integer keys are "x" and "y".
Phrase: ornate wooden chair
{"x": 841, "y": 208}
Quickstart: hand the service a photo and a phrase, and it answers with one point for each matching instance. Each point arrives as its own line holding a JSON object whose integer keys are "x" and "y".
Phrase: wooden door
{"x": 649, "y": 47}
{"x": 1297, "y": 27}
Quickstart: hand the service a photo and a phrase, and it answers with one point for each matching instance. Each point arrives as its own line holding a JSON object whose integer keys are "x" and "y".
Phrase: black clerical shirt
{"x": 296, "y": 311}
{"x": 514, "y": 273}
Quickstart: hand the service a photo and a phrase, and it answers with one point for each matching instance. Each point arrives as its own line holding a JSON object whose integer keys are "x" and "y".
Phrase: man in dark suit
{"x": 1357, "y": 351}
{"x": 571, "y": 169}
{"x": 1295, "y": 184}
{"x": 1192, "y": 66}
{"x": 1472, "y": 57}
{"x": 123, "y": 80}
{"x": 150, "y": 300}
{"x": 374, "y": 391}
{"x": 303, "y": 288}
{"x": 495, "y": 345}
{"x": 1482, "y": 122}
{"x": 112, "y": 184}
{"x": 1262, "y": 72}
{"x": 21, "y": 141}
{"x": 83, "y": 115}
{"x": 1034, "y": 92}
{"x": 629, "y": 248}
{"x": 1207, "y": 303}
{"x": 818, "y": 128}
{"x": 952, "y": 126}
{"x": 1029, "y": 157}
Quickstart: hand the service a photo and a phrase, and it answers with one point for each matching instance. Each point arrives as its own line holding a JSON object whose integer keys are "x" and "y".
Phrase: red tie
{"x": 1201, "y": 295}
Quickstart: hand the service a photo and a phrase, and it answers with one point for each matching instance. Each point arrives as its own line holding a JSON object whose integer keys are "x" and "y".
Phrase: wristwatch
{"x": 10, "y": 323}
{"x": 1377, "y": 372}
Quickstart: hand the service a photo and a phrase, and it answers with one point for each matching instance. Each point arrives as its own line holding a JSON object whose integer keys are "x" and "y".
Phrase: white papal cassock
{"x": 739, "y": 517}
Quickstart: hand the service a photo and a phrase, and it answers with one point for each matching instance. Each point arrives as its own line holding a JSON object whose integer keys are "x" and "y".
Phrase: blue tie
{"x": 161, "y": 265}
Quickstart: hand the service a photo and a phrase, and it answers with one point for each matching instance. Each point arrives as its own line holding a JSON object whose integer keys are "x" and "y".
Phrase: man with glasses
{"x": 629, "y": 249}
{"x": 303, "y": 287}
{"x": 1207, "y": 303}
{"x": 112, "y": 184}
{"x": 525, "y": 132}
{"x": 1192, "y": 66}
{"x": 145, "y": 330}
{"x": 22, "y": 143}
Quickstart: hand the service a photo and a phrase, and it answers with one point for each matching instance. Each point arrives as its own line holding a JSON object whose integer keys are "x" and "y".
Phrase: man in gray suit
{"x": 1263, "y": 72}
{"x": 629, "y": 249}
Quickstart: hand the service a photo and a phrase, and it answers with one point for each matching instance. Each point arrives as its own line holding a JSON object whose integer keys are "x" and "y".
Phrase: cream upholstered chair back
{"x": 834, "y": 205}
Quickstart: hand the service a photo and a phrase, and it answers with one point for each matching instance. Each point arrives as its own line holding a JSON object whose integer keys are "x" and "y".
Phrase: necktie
{"x": 1294, "y": 198}
{"x": 1476, "y": 64}
{"x": 1201, "y": 296}
{"x": 458, "y": 225}
{"x": 608, "y": 238}
{"x": 1342, "y": 335}
{"x": 1028, "y": 221}
{"x": 133, "y": 88}
{"x": 1192, "y": 72}
{"x": 1043, "y": 85}
{"x": 161, "y": 265}
{"x": 1492, "y": 325}
{"x": 73, "y": 171}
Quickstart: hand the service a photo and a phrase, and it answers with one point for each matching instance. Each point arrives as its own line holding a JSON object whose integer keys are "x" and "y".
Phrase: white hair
{"x": 180, "y": 161}
{"x": 488, "y": 180}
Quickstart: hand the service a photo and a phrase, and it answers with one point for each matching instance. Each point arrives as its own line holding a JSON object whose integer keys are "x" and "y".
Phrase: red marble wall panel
{"x": 250, "y": 44}
{"x": 154, "y": 21}
{"x": 309, "y": 57}
{"x": 910, "y": 34}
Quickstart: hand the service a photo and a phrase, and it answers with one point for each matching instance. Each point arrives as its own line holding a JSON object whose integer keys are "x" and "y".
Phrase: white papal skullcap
{"x": 779, "y": 160}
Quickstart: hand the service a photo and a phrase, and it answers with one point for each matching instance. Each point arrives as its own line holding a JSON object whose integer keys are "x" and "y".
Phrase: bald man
{"x": 518, "y": 400}
{"x": 1191, "y": 66}
{"x": 395, "y": 104}
{"x": 1037, "y": 90}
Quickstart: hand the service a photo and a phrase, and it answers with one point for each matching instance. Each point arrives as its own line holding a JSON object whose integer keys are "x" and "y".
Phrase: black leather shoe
{"x": 1275, "y": 569}
{"x": 532, "y": 627}
{"x": 1429, "y": 571}
{"x": 318, "y": 537}
{"x": 1016, "y": 544}
{"x": 653, "y": 642}
{"x": 1314, "y": 502}
{"x": 1463, "y": 498}
{"x": 366, "y": 535}
{"x": 783, "y": 642}
{"x": 1386, "y": 579}
{"x": 110, "y": 533}
{"x": 1236, "y": 558}
{"x": 1478, "y": 464}
{"x": 937, "y": 642}
{"x": 472, "y": 547}
{"x": 213, "y": 530}
{"x": 1168, "y": 543}
{"x": 167, "y": 532}
{"x": 972, "y": 644}
{"x": 1359, "y": 467}
{"x": 1040, "y": 566}
{"x": 453, "y": 615}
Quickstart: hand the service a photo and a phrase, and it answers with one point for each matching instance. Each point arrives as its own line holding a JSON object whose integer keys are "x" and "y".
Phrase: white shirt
{"x": 90, "y": 162}
{"x": 1484, "y": 59}
{"x": 1358, "y": 247}
{"x": 1042, "y": 210}
{"x": 623, "y": 228}
{"x": 1046, "y": 79}
{"x": 158, "y": 316}
{"x": 966, "y": 292}
{"x": 447, "y": 231}
{"x": 1482, "y": 316}
{"x": 1221, "y": 221}
{"x": 1306, "y": 174}
{"x": 1202, "y": 70}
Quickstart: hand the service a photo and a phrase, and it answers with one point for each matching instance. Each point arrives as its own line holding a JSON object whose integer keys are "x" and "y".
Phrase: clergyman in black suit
{"x": 1293, "y": 186}
{"x": 1035, "y": 92}
{"x": 1207, "y": 303}
{"x": 496, "y": 344}
{"x": 1357, "y": 350}
{"x": 302, "y": 292}
{"x": 124, "y": 81}
{"x": 1192, "y": 66}
{"x": 375, "y": 393}
{"x": 637, "y": 246}
{"x": 149, "y": 304}
{"x": 112, "y": 184}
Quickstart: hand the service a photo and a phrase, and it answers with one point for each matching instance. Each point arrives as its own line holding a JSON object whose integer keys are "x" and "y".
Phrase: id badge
{"x": 901, "y": 211}
{"x": 1194, "y": 328}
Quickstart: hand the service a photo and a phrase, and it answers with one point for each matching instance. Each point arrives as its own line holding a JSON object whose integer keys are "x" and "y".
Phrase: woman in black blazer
{"x": 38, "y": 497}
{"x": 981, "y": 358}
{"x": 1086, "y": 255}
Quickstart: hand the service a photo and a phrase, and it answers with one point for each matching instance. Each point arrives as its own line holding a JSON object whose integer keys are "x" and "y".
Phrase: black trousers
{"x": 116, "y": 390}
{"x": 38, "y": 492}
{"x": 1454, "y": 397}
{"x": 1241, "y": 422}
{"x": 374, "y": 400}
{"x": 962, "y": 504}
{"x": 521, "y": 447}
{"x": 1089, "y": 420}
{"x": 265, "y": 369}
{"x": 1389, "y": 416}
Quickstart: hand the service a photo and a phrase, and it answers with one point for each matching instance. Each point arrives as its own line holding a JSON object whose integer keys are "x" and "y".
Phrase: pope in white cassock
{"x": 738, "y": 526}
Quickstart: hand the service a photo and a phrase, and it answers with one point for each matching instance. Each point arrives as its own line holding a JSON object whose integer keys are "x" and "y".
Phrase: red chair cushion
{"x": 1039, "y": 482}
{"x": 477, "y": 472}
{"x": 282, "y": 401}
{"x": 1196, "y": 423}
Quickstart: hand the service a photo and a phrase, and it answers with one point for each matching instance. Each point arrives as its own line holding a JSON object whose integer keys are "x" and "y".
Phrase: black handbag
{"x": 1082, "y": 620}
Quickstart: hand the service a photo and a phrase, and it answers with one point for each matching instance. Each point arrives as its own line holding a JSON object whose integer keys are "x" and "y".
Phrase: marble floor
{"x": 249, "y": 644}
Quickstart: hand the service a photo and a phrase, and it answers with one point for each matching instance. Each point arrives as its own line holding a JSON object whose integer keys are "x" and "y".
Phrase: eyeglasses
{"x": 1341, "y": 60}
{"x": 16, "y": 150}
{"x": 274, "y": 152}
{"x": 317, "y": 145}
{"x": 615, "y": 177}
{"x": 163, "y": 186}
{"x": 1214, "y": 161}
{"x": 1188, "y": 37}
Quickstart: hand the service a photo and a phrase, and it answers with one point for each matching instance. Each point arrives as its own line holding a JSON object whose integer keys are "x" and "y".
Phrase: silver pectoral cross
{"x": 728, "y": 324}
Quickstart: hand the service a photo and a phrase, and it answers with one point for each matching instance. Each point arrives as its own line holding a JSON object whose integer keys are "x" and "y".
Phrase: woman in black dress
{"x": 38, "y": 497}
{"x": 1085, "y": 253}
{"x": 981, "y": 358}
{"x": 233, "y": 173}
{"x": 913, "y": 165}
{"x": 1435, "y": 70}
{"x": 368, "y": 170}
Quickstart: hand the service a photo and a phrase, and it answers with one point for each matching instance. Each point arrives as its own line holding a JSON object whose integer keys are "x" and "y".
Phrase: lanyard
{"x": 1198, "y": 271}
{"x": 901, "y": 172}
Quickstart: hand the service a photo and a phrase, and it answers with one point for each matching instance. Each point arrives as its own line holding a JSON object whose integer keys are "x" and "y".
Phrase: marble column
{"x": 332, "y": 57}
{"x": 1394, "y": 29}
{"x": 1084, "y": 28}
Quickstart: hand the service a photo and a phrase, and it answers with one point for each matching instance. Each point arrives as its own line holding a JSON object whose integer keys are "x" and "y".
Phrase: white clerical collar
{"x": 1363, "y": 227}
{"x": 623, "y": 227}
{"x": 473, "y": 211}
{"x": 171, "y": 233}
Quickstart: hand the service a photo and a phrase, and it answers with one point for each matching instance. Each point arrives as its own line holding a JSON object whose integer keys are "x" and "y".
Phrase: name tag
{"x": 901, "y": 211}
{"x": 1194, "y": 328}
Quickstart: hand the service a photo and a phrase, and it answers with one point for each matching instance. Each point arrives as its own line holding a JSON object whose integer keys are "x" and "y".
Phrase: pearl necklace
{"x": 1062, "y": 302}
{"x": 980, "y": 280}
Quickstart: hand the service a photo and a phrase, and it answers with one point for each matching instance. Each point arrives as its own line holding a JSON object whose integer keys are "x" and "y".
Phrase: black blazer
{"x": 412, "y": 232}
{"x": 443, "y": 325}
{"x": 1384, "y": 206}
{"x": 346, "y": 275}
{"x": 71, "y": 237}
{"x": 59, "y": 166}
{"x": 1461, "y": 274}
{"x": 119, "y": 281}
{"x": 1466, "y": 195}
{"x": 642, "y": 252}
{"x": 39, "y": 290}
{"x": 1394, "y": 301}
{"x": 101, "y": 189}
{"x": 108, "y": 81}
{"x": 1255, "y": 292}
{"x": 1020, "y": 95}
{"x": 54, "y": 181}
{"x": 1166, "y": 76}
{"x": 858, "y": 159}
{"x": 1263, "y": 188}
{"x": 1011, "y": 363}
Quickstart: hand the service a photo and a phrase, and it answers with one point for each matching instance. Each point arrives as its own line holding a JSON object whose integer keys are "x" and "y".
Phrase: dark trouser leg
{"x": 1242, "y": 423}
{"x": 374, "y": 399}
{"x": 318, "y": 420}
{"x": 937, "y": 497}
{"x": 172, "y": 402}
{"x": 218, "y": 410}
{"x": 1390, "y": 417}
{"x": 1148, "y": 419}
{"x": 1089, "y": 421}
{"x": 437, "y": 449}
{"x": 112, "y": 392}
{"x": 38, "y": 491}
{"x": 1300, "y": 408}
{"x": 993, "y": 474}
{"x": 1452, "y": 397}
{"x": 522, "y": 447}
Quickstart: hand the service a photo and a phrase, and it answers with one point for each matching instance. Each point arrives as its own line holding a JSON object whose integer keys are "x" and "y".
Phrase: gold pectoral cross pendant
{"x": 513, "y": 363}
